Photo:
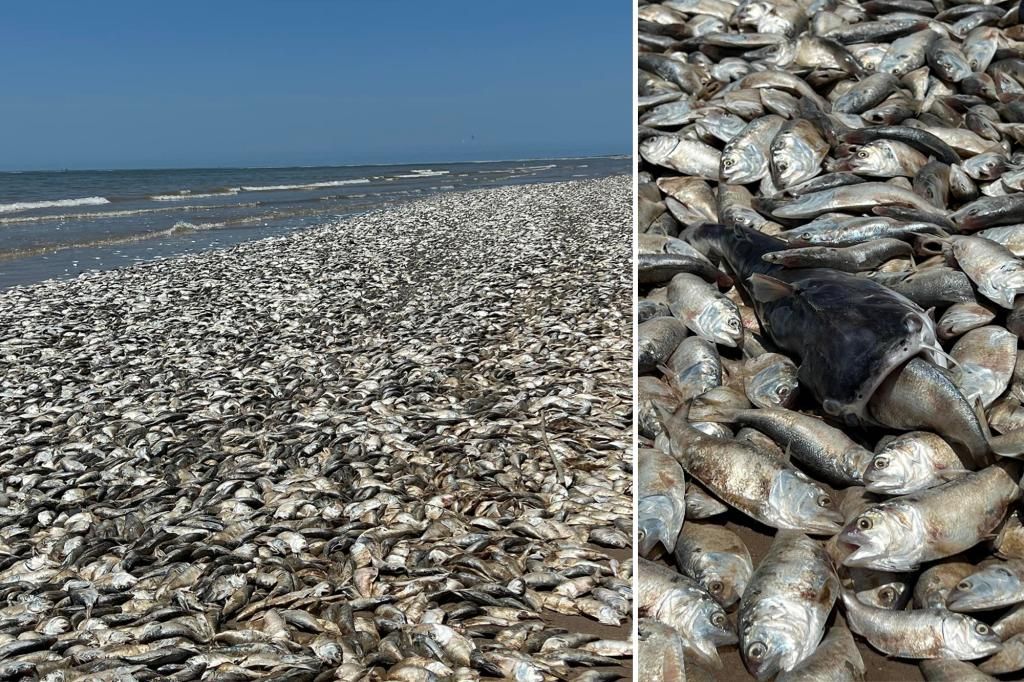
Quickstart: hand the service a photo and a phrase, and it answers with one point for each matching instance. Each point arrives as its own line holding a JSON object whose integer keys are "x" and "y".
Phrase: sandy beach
{"x": 398, "y": 442}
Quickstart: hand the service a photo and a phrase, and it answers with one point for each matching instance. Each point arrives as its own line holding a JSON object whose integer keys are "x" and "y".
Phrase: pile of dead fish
{"x": 831, "y": 223}
{"x": 395, "y": 447}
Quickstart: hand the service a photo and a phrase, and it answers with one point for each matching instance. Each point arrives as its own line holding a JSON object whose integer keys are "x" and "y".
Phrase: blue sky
{"x": 306, "y": 82}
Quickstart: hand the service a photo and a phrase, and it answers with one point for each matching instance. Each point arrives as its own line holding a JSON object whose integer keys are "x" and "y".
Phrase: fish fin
{"x": 979, "y": 412}
{"x": 680, "y": 432}
{"x": 1005, "y": 446}
{"x": 940, "y": 353}
{"x": 767, "y": 289}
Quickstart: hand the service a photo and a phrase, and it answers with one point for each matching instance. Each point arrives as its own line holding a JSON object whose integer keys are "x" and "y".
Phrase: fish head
{"x": 900, "y": 467}
{"x": 874, "y": 158}
{"x": 750, "y": 12}
{"x": 659, "y": 521}
{"x": 952, "y": 66}
{"x": 773, "y": 646}
{"x": 739, "y": 166}
{"x": 989, "y": 588}
{"x": 792, "y": 159}
{"x": 965, "y": 638}
{"x": 774, "y": 383}
{"x": 721, "y": 322}
{"x": 892, "y": 596}
{"x": 797, "y": 502}
{"x": 725, "y": 576}
{"x": 886, "y": 537}
{"x": 703, "y": 617}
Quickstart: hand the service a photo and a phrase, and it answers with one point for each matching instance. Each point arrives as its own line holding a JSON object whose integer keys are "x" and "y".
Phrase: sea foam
{"x": 312, "y": 185}
{"x": 30, "y": 205}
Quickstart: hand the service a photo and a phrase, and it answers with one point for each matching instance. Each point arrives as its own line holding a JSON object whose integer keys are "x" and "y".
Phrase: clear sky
{"x": 139, "y": 84}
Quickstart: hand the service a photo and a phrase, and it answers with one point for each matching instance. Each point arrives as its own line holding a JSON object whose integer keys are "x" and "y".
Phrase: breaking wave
{"x": 30, "y": 205}
{"x": 312, "y": 185}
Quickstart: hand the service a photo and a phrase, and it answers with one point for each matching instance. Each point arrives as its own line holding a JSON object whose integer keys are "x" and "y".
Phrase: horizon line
{"x": 345, "y": 165}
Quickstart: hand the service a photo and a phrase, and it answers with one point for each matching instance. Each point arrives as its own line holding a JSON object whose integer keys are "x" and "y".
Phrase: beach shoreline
{"x": 412, "y": 416}
{"x": 50, "y": 228}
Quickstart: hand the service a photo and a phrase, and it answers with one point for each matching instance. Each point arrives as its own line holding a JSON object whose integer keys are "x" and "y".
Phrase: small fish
{"x": 920, "y": 633}
{"x": 660, "y": 652}
{"x": 768, "y": 490}
{"x": 795, "y": 578}
{"x": 998, "y": 274}
{"x": 900, "y": 534}
{"x": 678, "y": 601}
{"x": 657, "y": 339}
{"x": 912, "y": 462}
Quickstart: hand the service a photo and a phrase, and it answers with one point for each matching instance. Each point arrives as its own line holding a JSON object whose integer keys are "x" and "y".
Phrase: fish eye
{"x": 880, "y": 462}
{"x": 864, "y": 523}
{"x": 1003, "y": 572}
{"x": 981, "y": 628}
{"x": 756, "y": 650}
{"x": 888, "y": 595}
{"x": 714, "y": 587}
{"x": 963, "y": 585}
{"x": 782, "y": 165}
{"x": 729, "y": 163}
{"x": 973, "y": 64}
{"x": 862, "y": 154}
{"x": 718, "y": 620}
{"x": 824, "y": 501}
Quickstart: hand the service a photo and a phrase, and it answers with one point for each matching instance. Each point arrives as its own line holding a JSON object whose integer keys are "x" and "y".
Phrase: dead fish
{"x": 823, "y": 449}
{"x": 678, "y": 601}
{"x": 912, "y": 462}
{"x": 768, "y": 491}
{"x": 900, "y": 534}
{"x": 795, "y": 577}
{"x": 920, "y": 633}
{"x": 660, "y": 652}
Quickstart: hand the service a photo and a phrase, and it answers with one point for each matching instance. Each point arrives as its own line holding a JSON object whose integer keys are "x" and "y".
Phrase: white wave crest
{"x": 181, "y": 196}
{"x": 422, "y": 173}
{"x": 312, "y": 185}
{"x": 30, "y": 205}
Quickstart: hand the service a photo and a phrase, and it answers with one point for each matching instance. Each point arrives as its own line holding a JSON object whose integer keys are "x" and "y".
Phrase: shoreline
{"x": 37, "y": 262}
{"x": 373, "y": 413}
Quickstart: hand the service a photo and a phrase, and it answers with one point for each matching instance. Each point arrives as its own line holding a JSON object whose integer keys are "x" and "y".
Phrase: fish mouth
{"x": 827, "y": 522}
{"x": 861, "y": 554}
{"x": 879, "y": 485}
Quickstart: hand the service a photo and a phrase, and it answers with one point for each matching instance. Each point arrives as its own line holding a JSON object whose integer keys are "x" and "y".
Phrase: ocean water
{"x": 59, "y": 224}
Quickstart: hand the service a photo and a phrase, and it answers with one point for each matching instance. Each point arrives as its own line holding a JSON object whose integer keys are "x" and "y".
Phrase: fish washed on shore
{"x": 831, "y": 225}
{"x": 393, "y": 447}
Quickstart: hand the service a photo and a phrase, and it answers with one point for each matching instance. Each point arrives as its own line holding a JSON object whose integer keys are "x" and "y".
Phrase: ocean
{"x": 60, "y": 224}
